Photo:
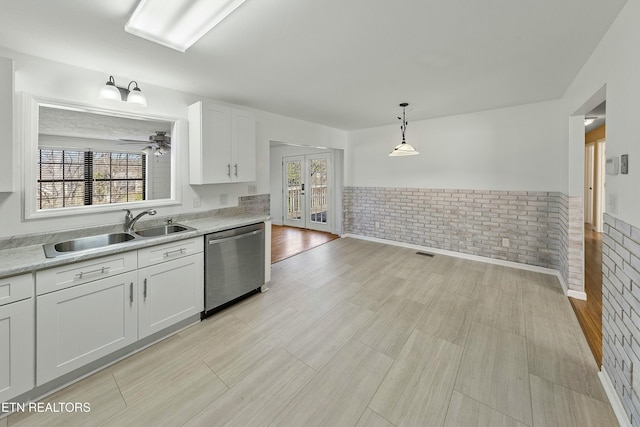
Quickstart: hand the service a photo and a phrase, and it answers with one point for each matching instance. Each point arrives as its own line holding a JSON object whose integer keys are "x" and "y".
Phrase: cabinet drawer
{"x": 168, "y": 251}
{"x": 77, "y": 273}
{"x": 16, "y": 288}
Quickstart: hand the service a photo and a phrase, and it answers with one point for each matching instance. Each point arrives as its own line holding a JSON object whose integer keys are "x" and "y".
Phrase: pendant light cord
{"x": 403, "y": 126}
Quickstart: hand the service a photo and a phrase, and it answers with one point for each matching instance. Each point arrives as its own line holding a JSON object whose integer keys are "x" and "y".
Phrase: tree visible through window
{"x": 76, "y": 178}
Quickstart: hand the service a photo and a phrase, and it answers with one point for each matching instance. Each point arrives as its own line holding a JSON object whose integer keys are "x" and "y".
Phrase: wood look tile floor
{"x": 589, "y": 312}
{"x": 437, "y": 342}
{"x": 289, "y": 241}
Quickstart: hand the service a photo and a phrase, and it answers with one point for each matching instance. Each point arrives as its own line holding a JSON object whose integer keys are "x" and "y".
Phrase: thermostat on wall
{"x": 624, "y": 164}
{"x": 613, "y": 165}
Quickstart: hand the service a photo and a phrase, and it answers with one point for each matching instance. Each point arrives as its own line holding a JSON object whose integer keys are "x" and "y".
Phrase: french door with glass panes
{"x": 306, "y": 191}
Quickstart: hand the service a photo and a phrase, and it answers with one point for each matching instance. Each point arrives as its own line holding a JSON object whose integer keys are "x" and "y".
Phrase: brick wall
{"x": 563, "y": 236}
{"x": 575, "y": 244}
{"x": 621, "y": 310}
{"x": 467, "y": 221}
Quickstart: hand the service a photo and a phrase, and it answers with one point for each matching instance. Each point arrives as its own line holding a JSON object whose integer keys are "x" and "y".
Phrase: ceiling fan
{"x": 158, "y": 144}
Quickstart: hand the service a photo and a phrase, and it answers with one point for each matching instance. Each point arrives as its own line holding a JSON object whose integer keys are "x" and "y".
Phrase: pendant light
{"x": 403, "y": 149}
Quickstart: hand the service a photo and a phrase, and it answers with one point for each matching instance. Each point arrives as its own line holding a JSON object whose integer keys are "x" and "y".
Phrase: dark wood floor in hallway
{"x": 289, "y": 241}
{"x": 589, "y": 312}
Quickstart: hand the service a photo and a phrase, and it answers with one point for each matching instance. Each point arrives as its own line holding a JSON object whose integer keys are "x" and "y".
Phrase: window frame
{"x": 88, "y": 178}
{"x": 30, "y": 118}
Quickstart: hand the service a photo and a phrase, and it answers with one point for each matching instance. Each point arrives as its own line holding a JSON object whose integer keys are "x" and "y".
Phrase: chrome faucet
{"x": 130, "y": 221}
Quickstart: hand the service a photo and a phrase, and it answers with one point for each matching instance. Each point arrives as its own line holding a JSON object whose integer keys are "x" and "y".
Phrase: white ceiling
{"x": 346, "y": 64}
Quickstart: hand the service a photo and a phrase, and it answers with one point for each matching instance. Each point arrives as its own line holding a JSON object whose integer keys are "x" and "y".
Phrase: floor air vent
{"x": 425, "y": 254}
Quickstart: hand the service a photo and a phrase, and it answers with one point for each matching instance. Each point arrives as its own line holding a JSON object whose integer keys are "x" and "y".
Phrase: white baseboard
{"x": 616, "y": 404}
{"x": 464, "y": 256}
{"x": 575, "y": 294}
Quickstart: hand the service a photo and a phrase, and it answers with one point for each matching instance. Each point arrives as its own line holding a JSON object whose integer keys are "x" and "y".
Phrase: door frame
{"x": 297, "y": 222}
{"x": 589, "y": 166}
{"x": 304, "y": 221}
{"x": 314, "y": 225}
{"x": 600, "y": 184}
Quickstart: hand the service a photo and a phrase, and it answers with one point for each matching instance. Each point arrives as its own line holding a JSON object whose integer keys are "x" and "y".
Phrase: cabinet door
{"x": 243, "y": 137}
{"x": 17, "y": 351}
{"x": 81, "y": 324}
{"x": 209, "y": 143}
{"x": 170, "y": 292}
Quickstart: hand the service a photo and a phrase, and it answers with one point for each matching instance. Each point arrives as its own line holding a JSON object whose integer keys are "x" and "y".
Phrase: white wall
{"x": 6, "y": 118}
{"x": 615, "y": 63}
{"x": 520, "y": 148}
{"x": 59, "y": 81}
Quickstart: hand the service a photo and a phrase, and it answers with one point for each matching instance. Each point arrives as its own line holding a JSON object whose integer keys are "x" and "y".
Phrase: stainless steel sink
{"x": 52, "y": 250}
{"x": 162, "y": 230}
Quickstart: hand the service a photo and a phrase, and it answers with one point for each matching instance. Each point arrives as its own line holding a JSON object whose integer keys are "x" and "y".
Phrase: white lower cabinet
{"x": 83, "y": 323}
{"x": 16, "y": 348}
{"x": 90, "y": 319}
{"x": 170, "y": 292}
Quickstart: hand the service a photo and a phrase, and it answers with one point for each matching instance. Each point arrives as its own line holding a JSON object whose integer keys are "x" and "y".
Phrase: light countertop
{"x": 27, "y": 259}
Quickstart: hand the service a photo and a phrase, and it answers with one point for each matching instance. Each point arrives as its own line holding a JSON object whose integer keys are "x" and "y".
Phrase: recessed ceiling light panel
{"x": 178, "y": 24}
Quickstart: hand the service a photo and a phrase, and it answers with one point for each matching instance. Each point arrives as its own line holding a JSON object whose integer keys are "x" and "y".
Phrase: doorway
{"x": 307, "y": 191}
{"x": 589, "y": 311}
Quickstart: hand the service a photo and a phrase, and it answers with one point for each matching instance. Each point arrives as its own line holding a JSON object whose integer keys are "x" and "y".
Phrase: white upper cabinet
{"x": 222, "y": 144}
{"x": 243, "y": 146}
{"x": 6, "y": 124}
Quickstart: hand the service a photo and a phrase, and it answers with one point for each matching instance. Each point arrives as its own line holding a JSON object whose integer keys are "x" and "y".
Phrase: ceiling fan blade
{"x": 139, "y": 141}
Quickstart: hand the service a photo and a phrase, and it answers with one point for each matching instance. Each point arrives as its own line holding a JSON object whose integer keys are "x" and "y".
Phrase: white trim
{"x": 614, "y": 399}
{"x": 575, "y": 294}
{"x": 520, "y": 266}
{"x": 30, "y": 105}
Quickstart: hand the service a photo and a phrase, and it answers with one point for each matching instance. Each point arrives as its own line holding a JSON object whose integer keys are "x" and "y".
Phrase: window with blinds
{"x": 76, "y": 178}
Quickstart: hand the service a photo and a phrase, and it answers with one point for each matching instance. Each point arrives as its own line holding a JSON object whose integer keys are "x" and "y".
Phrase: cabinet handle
{"x": 145, "y": 288}
{"x": 236, "y": 167}
{"x": 131, "y": 292}
{"x": 229, "y": 170}
{"x": 102, "y": 270}
{"x": 177, "y": 251}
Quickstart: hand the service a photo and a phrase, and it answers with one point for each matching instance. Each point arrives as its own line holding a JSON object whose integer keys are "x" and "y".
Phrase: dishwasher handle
{"x": 239, "y": 236}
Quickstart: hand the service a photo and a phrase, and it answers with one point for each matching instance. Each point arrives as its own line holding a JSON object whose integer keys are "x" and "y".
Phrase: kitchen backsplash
{"x": 258, "y": 204}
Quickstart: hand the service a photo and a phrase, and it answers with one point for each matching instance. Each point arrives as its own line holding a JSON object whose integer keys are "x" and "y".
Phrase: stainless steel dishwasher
{"x": 234, "y": 265}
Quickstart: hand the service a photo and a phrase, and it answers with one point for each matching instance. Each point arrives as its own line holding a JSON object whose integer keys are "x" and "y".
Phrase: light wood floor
{"x": 356, "y": 333}
{"x": 589, "y": 312}
{"x": 289, "y": 241}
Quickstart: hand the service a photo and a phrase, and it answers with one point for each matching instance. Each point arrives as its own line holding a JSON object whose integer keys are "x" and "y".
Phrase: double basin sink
{"x": 53, "y": 250}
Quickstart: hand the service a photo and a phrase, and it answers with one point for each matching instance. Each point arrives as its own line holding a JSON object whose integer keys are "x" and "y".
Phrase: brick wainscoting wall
{"x": 621, "y": 310}
{"x": 543, "y": 228}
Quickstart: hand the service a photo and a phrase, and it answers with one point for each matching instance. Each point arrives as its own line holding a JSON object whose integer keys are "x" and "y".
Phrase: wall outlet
{"x": 377, "y": 224}
{"x": 223, "y": 199}
{"x": 253, "y": 189}
{"x": 196, "y": 202}
{"x": 505, "y": 242}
